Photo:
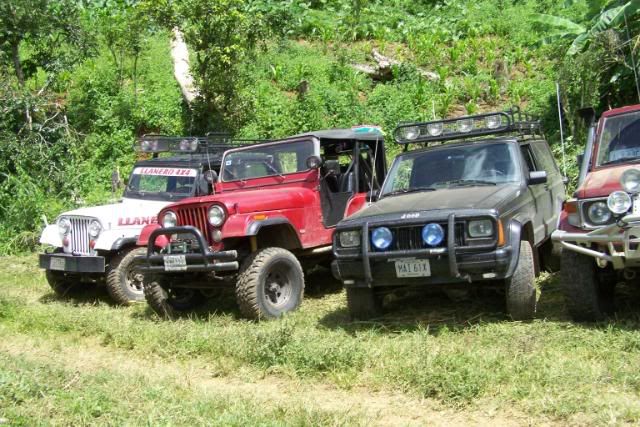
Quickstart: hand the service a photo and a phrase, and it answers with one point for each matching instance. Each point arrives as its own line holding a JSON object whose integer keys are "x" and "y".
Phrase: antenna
{"x": 633, "y": 60}
{"x": 564, "y": 162}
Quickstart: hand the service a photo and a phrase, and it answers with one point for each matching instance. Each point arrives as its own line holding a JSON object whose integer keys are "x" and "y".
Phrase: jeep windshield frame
{"x": 269, "y": 159}
{"x": 162, "y": 183}
{"x": 453, "y": 166}
{"x": 621, "y": 131}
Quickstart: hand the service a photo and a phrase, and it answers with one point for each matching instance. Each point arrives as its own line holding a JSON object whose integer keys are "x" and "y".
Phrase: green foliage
{"x": 222, "y": 35}
{"x": 97, "y": 76}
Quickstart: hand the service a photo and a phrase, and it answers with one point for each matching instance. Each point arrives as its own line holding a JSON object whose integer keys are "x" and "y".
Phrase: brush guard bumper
{"x": 617, "y": 243}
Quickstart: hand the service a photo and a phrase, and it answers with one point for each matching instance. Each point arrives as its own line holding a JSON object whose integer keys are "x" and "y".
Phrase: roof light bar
{"x": 466, "y": 127}
{"x": 217, "y": 141}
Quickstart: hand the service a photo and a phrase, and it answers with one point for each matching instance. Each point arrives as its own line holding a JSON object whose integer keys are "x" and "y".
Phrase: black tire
{"x": 168, "y": 302}
{"x": 124, "y": 284}
{"x": 363, "y": 303}
{"x": 61, "y": 284}
{"x": 521, "y": 287}
{"x": 270, "y": 283}
{"x": 588, "y": 299}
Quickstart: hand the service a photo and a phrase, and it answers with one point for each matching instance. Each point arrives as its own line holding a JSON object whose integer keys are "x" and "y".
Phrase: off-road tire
{"x": 584, "y": 292}
{"x": 273, "y": 268}
{"x": 521, "y": 287}
{"x": 120, "y": 277}
{"x": 61, "y": 284}
{"x": 363, "y": 303}
{"x": 169, "y": 302}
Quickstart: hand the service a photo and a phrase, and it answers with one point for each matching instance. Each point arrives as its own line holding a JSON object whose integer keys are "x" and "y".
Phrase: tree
{"x": 48, "y": 26}
{"x": 222, "y": 35}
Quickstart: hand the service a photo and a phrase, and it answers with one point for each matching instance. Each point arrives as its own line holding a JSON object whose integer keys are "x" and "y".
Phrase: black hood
{"x": 477, "y": 197}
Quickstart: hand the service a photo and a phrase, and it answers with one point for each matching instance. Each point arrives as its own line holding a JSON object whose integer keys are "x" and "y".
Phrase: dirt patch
{"x": 379, "y": 408}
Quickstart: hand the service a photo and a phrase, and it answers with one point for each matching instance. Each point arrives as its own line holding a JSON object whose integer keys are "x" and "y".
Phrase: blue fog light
{"x": 381, "y": 237}
{"x": 432, "y": 234}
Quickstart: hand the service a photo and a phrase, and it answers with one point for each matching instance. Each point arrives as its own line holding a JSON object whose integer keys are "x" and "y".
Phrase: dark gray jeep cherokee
{"x": 478, "y": 210}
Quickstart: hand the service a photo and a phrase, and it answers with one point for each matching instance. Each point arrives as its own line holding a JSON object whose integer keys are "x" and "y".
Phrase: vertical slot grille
{"x": 195, "y": 216}
{"x": 80, "y": 235}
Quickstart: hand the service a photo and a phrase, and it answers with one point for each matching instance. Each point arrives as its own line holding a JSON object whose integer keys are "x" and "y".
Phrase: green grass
{"x": 461, "y": 355}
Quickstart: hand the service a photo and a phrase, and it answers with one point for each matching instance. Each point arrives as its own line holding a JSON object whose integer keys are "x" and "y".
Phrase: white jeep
{"x": 98, "y": 244}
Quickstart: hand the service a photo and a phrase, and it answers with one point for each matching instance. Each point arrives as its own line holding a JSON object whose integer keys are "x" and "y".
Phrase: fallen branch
{"x": 383, "y": 69}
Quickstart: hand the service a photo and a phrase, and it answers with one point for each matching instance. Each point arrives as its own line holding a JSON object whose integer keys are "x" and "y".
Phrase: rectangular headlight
{"x": 349, "y": 239}
{"x": 480, "y": 228}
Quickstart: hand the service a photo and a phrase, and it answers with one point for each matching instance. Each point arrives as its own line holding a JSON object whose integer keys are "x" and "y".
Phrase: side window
{"x": 545, "y": 158}
{"x": 528, "y": 157}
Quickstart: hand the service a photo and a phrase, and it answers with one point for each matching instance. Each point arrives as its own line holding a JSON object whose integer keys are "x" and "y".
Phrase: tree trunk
{"x": 181, "y": 70}
{"x": 15, "y": 53}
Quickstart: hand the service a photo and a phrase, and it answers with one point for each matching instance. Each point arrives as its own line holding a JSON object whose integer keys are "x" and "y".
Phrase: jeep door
{"x": 543, "y": 209}
{"x": 554, "y": 186}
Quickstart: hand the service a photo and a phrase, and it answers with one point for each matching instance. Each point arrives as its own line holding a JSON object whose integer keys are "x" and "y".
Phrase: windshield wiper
{"x": 622, "y": 160}
{"x": 461, "y": 182}
{"x": 409, "y": 190}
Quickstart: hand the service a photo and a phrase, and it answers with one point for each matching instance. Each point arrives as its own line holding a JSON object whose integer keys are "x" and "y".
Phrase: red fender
{"x": 143, "y": 239}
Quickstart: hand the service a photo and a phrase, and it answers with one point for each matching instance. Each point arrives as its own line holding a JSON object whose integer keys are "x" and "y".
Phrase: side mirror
{"x": 314, "y": 162}
{"x": 537, "y": 177}
{"x": 372, "y": 195}
{"x": 588, "y": 114}
{"x": 210, "y": 176}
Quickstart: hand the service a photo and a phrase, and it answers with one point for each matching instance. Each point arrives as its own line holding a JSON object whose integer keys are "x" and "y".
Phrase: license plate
{"x": 413, "y": 268}
{"x": 175, "y": 263}
{"x": 56, "y": 263}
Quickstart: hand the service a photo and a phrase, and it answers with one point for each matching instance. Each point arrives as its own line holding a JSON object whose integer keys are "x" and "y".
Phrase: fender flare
{"x": 514, "y": 232}
{"x": 254, "y": 227}
{"x": 124, "y": 241}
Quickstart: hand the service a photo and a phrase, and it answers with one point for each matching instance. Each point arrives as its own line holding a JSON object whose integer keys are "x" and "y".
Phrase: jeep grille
{"x": 195, "y": 216}
{"x": 407, "y": 238}
{"x": 79, "y": 235}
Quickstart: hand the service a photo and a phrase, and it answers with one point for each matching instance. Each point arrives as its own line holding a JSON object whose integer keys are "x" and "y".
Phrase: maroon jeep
{"x": 271, "y": 215}
{"x": 600, "y": 227}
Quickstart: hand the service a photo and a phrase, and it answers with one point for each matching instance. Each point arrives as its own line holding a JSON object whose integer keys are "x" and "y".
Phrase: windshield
{"x": 161, "y": 183}
{"x": 620, "y": 139}
{"x": 456, "y": 166}
{"x": 267, "y": 160}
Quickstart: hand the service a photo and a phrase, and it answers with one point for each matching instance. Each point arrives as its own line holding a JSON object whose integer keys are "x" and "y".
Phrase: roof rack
{"x": 211, "y": 142}
{"x": 512, "y": 121}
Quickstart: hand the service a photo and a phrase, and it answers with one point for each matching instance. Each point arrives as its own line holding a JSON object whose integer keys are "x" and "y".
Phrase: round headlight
{"x": 435, "y": 129}
{"x": 599, "y": 213}
{"x": 169, "y": 219}
{"x": 619, "y": 202}
{"x": 432, "y": 234}
{"x": 410, "y": 133}
{"x": 381, "y": 238}
{"x": 216, "y": 215}
{"x": 630, "y": 180}
{"x": 64, "y": 225}
{"x": 94, "y": 229}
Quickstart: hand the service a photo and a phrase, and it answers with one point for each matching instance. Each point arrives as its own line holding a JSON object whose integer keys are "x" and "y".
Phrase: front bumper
{"x": 449, "y": 264}
{"x": 72, "y": 263}
{"x": 617, "y": 243}
{"x": 201, "y": 260}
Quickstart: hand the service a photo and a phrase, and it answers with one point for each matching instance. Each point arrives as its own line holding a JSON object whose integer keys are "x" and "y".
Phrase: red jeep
{"x": 600, "y": 226}
{"x": 272, "y": 215}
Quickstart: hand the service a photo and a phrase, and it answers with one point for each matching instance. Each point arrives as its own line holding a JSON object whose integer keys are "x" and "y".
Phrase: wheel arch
{"x": 277, "y": 232}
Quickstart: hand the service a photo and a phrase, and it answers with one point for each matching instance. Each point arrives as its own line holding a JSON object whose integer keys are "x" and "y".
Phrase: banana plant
{"x": 605, "y": 15}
